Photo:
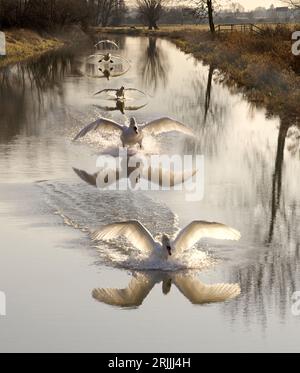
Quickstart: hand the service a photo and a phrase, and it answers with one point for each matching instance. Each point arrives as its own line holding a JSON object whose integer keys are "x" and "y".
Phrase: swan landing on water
{"x": 143, "y": 240}
{"x": 134, "y": 134}
{"x": 142, "y": 283}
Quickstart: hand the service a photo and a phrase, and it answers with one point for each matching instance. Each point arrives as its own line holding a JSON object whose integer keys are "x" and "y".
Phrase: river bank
{"x": 261, "y": 66}
{"x": 22, "y": 44}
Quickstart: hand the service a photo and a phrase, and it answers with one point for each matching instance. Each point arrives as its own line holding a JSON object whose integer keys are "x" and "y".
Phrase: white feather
{"x": 190, "y": 235}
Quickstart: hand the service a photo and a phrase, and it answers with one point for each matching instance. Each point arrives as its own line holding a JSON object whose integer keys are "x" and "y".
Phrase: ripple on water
{"x": 86, "y": 208}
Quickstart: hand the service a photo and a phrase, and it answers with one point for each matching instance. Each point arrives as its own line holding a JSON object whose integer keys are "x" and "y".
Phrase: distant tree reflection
{"x": 154, "y": 66}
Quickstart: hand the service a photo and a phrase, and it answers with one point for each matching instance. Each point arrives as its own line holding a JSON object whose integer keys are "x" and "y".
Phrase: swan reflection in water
{"x": 120, "y": 105}
{"x": 136, "y": 168}
{"x": 143, "y": 282}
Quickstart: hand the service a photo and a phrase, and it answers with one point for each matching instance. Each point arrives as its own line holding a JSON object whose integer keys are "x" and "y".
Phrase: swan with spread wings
{"x": 142, "y": 239}
{"x": 106, "y": 43}
{"x": 120, "y": 92}
{"x": 134, "y": 133}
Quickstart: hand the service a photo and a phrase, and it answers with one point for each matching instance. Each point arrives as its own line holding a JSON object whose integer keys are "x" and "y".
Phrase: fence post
{"x": 2, "y": 44}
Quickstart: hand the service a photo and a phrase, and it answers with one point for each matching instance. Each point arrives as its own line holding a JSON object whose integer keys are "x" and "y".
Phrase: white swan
{"x": 106, "y": 42}
{"x": 108, "y": 58}
{"x": 120, "y": 93}
{"x": 134, "y": 134}
{"x": 142, "y": 283}
{"x": 142, "y": 239}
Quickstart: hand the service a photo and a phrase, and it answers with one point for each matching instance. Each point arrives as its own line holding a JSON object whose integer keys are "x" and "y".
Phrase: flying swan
{"x": 120, "y": 93}
{"x": 106, "y": 42}
{"x": 108, "y": 58}
{"x": 134, "y": 134}
{"x": 142, "y": 239}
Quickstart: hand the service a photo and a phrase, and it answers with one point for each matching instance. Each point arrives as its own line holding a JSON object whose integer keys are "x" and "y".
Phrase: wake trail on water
{"x": 86, "y": 208}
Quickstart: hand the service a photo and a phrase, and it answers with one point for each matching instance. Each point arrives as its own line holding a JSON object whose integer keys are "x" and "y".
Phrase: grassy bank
{"x": 23, "y": 44}
{"x": 261, "y": 66}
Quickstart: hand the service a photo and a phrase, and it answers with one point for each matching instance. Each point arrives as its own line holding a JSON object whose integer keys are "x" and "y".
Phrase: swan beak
{"x": 169, "y": 250}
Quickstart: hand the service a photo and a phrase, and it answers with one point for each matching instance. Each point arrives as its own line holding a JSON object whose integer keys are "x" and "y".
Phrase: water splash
{"x": 86, "y": 208}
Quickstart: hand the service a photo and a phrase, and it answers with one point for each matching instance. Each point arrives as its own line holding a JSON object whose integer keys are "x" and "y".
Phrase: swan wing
{"x": 120, "y": 58}
{"x": 133, "y": 230}
{"x": 167, "y": 178}
{"x": 132, "y": 296}
{"x": 107, "y": 42}
{"x": 102, "y": 123}
{"x": 85, "y": 176}
{"x": 199, "y": 293}
{"x": 105, "y": 90}
{"x": 135, "y": 90}
{"x": 166, "y": 124}
{"x": 190, "y": 235}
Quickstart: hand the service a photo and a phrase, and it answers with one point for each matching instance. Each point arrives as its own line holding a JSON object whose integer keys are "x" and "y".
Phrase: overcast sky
{"x": 247, "y": 4}
{"x": 251, "y": 4}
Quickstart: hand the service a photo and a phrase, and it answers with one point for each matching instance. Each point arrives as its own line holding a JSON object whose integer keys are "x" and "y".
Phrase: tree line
{"x": 48, "y": 14}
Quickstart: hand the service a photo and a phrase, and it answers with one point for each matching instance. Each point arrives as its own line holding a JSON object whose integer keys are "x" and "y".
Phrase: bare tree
{"x": 293, "y": 3}
{"x": 42, "y": 14}
{"x": 104, "y": 11}
{"x": 205, "y": 9}
{"x": 151, "y": 11}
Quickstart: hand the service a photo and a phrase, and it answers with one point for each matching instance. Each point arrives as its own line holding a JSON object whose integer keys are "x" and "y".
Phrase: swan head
{"x": 133, "y": 125}
{"x": 167, "y": 244}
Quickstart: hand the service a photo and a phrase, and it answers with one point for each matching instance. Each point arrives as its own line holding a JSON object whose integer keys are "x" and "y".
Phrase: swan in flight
{"x": 142, "y": 239}
{"x": 120, "y": 93}
{"x": 106, "y": 42}
{"x": 142, "y": 283}
{"x": 106, "y": 58}
{"x": 109, "y": 58}
{"x": 134, "y": 134}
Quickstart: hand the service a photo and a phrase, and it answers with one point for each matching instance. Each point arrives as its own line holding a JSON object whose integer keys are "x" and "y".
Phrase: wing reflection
{"x": 143, "y": 282}
{"x": 121, "y": 106}
{"x": 136, "y": 168}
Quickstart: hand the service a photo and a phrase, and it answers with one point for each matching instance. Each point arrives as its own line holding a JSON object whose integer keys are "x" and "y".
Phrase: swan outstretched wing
{"x": 106, "y": 90}
{"x": 135, "y": 90}
{"x": 120, "y": 58}
{"x": 133, "y": 296}
{"x": 190, "y": 235}
{"x": 106, "y": 42}
{"x": 133, "y": 230}
{"x": 199, "y": 293}
{"x": 166, "y": 124}
{"x": 92, "y": 56}
{"x": 90, "y": 179}
{"x": 105, "y": 124}
{"x": 167, "y": 178}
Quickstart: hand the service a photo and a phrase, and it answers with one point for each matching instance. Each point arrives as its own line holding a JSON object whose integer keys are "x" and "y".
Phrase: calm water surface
{"x": 48, "y": 266}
